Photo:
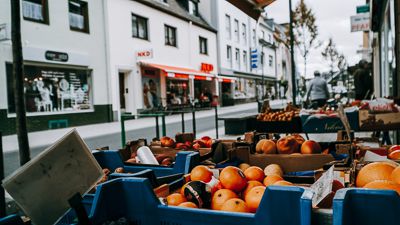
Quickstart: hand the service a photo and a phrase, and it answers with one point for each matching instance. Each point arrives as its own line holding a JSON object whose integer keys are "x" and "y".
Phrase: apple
{"x": 310, "y": 147}
{"x": 393, "y": 148}
{"x": 167, "y": 161}
{"x": 167, "y": 142}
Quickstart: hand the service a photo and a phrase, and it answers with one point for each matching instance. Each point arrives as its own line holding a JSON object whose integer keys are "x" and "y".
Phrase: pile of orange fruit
{"x": 235, "y": 190}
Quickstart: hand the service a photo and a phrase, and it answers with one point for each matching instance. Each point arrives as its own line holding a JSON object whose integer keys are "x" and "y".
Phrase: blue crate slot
{"x": 11, "y": 220}
{"x": 184, "y": 163}
{"x": 361, "y": 206}
{"x": 115, "y": 199}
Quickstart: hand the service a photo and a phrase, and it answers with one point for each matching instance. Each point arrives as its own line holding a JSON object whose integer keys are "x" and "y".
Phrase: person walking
{"x": 318, "y": 91}
{"x": 362, "y": 81}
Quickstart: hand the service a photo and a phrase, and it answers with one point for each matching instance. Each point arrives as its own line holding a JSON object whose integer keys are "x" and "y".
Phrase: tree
{"x": 18, "y": 74}
{"x": 331, "y": 54}
{"x": 305, "y": 31}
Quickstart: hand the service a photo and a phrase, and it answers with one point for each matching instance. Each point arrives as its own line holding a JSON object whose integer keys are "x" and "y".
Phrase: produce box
{"x": 321, "y": 123}
{"x": 293, "y": 126}
{"x": 366, "y": 207}
{"x": 289, "y": 163}
{"x": 158, "y": 149}
{"x": 114, "y": 199}
{"x": 381, "y": 121}
{"x": 112, "y": 159}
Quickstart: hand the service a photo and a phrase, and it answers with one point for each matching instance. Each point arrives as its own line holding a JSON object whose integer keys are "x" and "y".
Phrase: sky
{"x": 333, "y": 20}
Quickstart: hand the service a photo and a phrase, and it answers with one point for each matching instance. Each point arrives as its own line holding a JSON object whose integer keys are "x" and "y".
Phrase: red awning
{"x": 180, "y": 72}
{"x": 226, "y": 79}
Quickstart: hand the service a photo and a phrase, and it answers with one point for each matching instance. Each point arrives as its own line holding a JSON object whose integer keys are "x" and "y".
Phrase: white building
{"x": 239, "y": 52}
{"x": 160, "y": 52}
{"x": 65, "y": 64}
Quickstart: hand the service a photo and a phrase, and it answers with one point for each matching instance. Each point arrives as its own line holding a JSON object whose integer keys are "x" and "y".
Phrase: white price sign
{"x": 360, "y": 22}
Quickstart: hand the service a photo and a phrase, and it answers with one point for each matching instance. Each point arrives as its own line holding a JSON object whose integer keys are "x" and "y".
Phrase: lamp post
{"x": 292, "y": 53}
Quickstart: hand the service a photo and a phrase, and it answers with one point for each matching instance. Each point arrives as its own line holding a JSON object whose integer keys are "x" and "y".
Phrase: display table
{"x": 239, "y": 123}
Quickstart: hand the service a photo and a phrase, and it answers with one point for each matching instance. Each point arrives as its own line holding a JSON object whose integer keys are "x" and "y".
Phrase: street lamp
{"x": 263, "y": 44}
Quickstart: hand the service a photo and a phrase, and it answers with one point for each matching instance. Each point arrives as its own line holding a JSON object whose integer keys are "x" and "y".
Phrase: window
{"x": 229, "y": 55}
{"x": 170, "y": 35}
{"x": 139, "y": 27}
{"x": 244, "y": 33}
{"x": 262, "y": 35}
{"x": 254, "y": 37}
{"x": 270, "y": 60}
{"x": 236, "y": 30}
{"x": 203, "y": 45}
{"x": 78, "y": 16}
{"x": 237, "y": 57}
{"x": 269, "y": 38}
{"x": 228, "y": 26}
{"x": 52, "y": 89}
{"x": 245, "y": 60}
{"x": 35, "y": 10}
{"x": 193, "y": 8}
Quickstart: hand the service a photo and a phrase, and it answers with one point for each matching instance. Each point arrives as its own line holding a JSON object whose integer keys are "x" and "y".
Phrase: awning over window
{"x": 180, "y": 72}
{"x": 224, "y": 79}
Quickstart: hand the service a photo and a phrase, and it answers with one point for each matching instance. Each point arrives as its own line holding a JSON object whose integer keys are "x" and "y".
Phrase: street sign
{"x": 254, "y": 59}
{"x": 360, "y": 22}
{"x": 363, "y": 8}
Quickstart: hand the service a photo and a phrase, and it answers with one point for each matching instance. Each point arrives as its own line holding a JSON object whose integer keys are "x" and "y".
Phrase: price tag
{"x": 322, "y": 187}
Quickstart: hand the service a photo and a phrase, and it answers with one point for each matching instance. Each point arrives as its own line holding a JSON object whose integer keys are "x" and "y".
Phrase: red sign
{"x": 207, "y": 68}
{"x": 144, "y": 54}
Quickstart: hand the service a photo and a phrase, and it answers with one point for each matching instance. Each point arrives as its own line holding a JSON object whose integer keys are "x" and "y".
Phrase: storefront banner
{"x": 42, "y": 55}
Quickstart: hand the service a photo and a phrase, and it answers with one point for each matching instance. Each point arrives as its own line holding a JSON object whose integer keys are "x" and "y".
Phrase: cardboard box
{"x": 289, "y": 163}
{"x": 381, "y": 121}
{"x": 172, "y": 152}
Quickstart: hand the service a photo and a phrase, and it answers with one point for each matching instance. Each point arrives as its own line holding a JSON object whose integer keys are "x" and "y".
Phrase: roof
{"x": 253, "y": 8}
{"x": 173, "y": 8}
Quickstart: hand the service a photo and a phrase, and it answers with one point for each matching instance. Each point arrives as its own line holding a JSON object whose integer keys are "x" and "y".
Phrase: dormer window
{"x": 193, "y": 7}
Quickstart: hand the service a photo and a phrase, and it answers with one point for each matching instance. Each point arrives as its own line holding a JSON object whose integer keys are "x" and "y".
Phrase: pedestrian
{"x": 318, "y": 91}
{"x": 362, "y": 81}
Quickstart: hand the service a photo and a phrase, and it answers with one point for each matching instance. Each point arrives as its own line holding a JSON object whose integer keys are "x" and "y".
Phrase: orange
{"x": 188, "y": 205}
{"x": 395, "y": 176}
{"x": 253, "y": 198}
{"x": 233, "y": 178}
{"x": 235, "y": 205}
{"x": 244, "y": 166}
{"x": 283, "y": 183}
{"x": 220, "y": 197}
{"x": 384, "y": 185}
{"x": 201, "y": 173}
{"x": 374, "y": 171}
{"x": 183, "y": 189}
{"x": 175, "y": 199}
{"x": 271, "y": 179}
{"x": 254, "y": 173}
{"x": 250, "y": 185}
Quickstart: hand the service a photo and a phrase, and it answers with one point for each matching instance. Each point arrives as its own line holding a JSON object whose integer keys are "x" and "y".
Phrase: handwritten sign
{"x": 323, "y": 186}
{"x": 43, "y": 186}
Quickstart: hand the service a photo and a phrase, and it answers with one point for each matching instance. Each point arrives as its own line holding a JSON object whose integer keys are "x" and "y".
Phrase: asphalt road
{"x": 11, "y": 159}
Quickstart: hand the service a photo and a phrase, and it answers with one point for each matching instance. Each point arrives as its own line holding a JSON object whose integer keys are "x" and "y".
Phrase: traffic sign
{"x": 363, "y": 8}
{"x": 254, "y": 59}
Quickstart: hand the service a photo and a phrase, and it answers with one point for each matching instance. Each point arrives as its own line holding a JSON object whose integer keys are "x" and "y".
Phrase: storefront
{"x": 175, "y": 87}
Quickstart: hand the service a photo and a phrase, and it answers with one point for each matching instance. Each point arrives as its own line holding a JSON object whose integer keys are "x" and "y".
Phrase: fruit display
{"x": 288, "y": 145}
{"x": 234, "y": 191}
{"x": 203, "y": 142}
{"x": 394, "y": 152}
{"x": 379, "y": 175}
{"x": 287, "y": 114}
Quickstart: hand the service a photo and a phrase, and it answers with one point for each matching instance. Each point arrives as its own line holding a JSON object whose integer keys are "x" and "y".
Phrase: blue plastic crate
{"x": 184, "y": 163}
{"x": 115, "y": 199}
{"x": 11, "y": 220}
{"x": 359, "y": 206}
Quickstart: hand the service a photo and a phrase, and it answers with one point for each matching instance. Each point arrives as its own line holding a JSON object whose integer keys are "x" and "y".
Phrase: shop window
{"x": 270, "y": 60}
{"x": 36, "y": 11}
{"x": 170, "y": 35}
{"x": 203, "y": 45}
{"x": 236, "y": 30}
{"x": 52, "y": 89}
{"x": 228, "y": 26}
{"x": 78, "y": 16}
{"x": 139, "y": 27}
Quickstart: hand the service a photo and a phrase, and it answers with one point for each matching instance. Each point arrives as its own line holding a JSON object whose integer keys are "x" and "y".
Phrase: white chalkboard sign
{"x": 43, "y": 186}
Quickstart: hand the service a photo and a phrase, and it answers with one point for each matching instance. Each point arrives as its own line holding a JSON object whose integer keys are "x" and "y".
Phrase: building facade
{"x": 66, "y": 82}
{"x": 161, "y": 53}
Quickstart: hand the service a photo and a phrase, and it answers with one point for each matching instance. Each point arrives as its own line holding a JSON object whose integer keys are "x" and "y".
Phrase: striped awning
{"x": 180, "y": 72}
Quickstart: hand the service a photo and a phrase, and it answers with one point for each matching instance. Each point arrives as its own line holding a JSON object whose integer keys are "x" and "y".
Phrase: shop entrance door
{"x": 122, "y": 91}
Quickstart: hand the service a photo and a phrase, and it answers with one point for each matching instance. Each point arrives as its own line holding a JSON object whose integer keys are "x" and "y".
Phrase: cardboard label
{"x": 323, "y": 187}
{"x": 43, "y": 186}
